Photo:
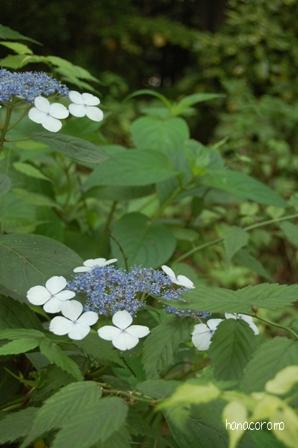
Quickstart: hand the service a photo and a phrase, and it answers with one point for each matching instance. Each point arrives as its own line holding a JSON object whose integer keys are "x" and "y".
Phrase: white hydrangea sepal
{"x": 48, "y": 115}
{"x": 202, "y": 334}
{"x": 85, "y": 105}
{"x": 245, "y": 318}
{"x": 122, "y": 334}
{"x": 74, "y": 322}
{"x": 52, "y": 295}
{"x": 88, "y": 265}
{"x": 180, "y": 280}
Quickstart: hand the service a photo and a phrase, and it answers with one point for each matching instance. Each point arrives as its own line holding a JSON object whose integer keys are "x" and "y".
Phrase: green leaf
{"x": 29, "y": 170}
{"x": 28, "y": 260}
{"x": 121, "y": 193}
{"x": 188, "y": 394}
{"x": 119, "y": 439}
{"x": 10, "y": 34}
{"x": 244, "y": 258}
{"x": 149, "y": 92}
{"x": 131, "y": 168}
{"x": 161, "y": 346}
{"x": 158, "y": 388}
{"x": 167, "y": 136}
{"x": 234, "y": 239}
{"x": 199, "y": 427}
{"x": 16, "y": 215}
{"x": 18, "y": 346}
{"x": 143, "y": 243}
{"x": 242, "y": 186}
{"x": 290, "y": 231}
{"x": 36, "y": 199}
{"x": 265, "y": 295}
{"x": 232, "y": 345}
{"x": 99, "y": 349}
{"x": 55, "y": 355}
{"x": 5, "y": 184}
{"x": 59, "y": 410}
{"x": 97, "y": 423}
{"x": 16, "y": 425}
{"x": 80, "y": 150}
{"x": 271, "y": 357}
{"x": 14, "y": 314}
{"x": 17, "y": 47}
{"x": 191, "y": 100}
{"x": 20, "y": 333}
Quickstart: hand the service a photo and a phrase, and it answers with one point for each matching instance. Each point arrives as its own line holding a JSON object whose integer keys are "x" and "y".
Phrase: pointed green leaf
{"x": 55, "y": 355}
{"x": 80, "y": 150}
{"x": 232, "y": 345}
{"x": 61, "y": 408}
{"x": 242, "y": 186}
{"x": 271, "y": 357}
{"x": 143, "y": 243}
{"x": 234, "y": 239}
{"x": 29, "y": 260}
{"x": 290, "y": 231}
{"x": 132, "y": 168}
{"x": 16, "y": 425}
{"x": 18, "y": 346}
{"x": 162, "y": 344}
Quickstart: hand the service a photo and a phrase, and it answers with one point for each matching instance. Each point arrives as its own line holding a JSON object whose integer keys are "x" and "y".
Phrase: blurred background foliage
{"x": 246, "y": 50}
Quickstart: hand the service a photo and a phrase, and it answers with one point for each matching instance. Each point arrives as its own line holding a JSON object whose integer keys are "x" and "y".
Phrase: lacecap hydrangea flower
{"x": 107, "y": 289}
{"x": 36, "y": 87}
{"x": 112, "y": 292}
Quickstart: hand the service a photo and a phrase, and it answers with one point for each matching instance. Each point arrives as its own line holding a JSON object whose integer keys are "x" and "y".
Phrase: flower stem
{"x": 129, "y": 395}
{"x": 5, "y": 126}
{"x": 269, "y": 322}
{"x": 248, "y": 228}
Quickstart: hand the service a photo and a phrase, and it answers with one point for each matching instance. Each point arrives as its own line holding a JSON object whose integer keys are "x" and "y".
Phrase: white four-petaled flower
{"x": 85, "y": 104}
{"x": 245, "y": 318}
{"x": 180, "y": 280}
{"x": 52, "y": 295}
{"x": 123, "y": 335}
{"x": 88, "y": 265}
{"x": 73, "y": 321}
{"x": 48, "y": 115}
{"x": 202, "y": 334}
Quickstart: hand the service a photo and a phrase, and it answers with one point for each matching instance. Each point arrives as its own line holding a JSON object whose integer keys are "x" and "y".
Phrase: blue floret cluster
{"x": 107, "y": 290}
{"x": 28, "y": 85}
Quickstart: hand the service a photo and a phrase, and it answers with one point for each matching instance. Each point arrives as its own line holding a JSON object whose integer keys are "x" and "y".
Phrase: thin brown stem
{"x": 248, "y": 228}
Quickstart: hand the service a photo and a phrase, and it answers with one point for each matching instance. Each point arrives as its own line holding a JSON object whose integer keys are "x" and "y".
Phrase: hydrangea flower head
{"x": 28, "y": 86}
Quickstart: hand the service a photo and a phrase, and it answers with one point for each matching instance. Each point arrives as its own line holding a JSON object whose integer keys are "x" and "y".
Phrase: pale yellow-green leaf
{"x": 192, "y": 394}
{"x": 266, "y": 406}
{"x": 283, "y": 381}
{"x": 17, "y": 47}
{"x": 235, "y": 411}
{"x": 288, "y": 433}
